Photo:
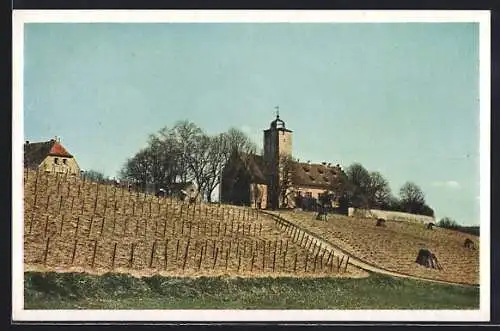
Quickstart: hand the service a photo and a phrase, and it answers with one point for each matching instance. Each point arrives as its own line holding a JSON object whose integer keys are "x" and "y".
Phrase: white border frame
{"x": 20, "y": 17}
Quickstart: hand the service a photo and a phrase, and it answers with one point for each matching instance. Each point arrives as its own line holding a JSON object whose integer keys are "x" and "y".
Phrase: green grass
{"x": 116, "y": 291}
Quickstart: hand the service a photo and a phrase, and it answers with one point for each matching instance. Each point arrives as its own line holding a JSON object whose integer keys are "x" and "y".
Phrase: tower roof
{"x": 278, "y": 124}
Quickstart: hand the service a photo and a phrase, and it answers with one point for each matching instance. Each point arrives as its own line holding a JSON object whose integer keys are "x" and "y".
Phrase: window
{"x": 308, "y": 195}
{"x": 64, "y": 161}
{"x": 56, "y": 160}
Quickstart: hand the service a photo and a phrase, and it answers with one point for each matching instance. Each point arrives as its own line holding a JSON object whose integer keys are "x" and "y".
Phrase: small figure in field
{"x": 429, "y": 226}
{"x": 428, "y": 259}
{"x": 380, "y": 222}
{"x": 469, "y": 244}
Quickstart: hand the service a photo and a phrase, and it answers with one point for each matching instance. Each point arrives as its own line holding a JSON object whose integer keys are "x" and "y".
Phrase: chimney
{"x": 27, "y": 142}
{"x": 324, "y": 164}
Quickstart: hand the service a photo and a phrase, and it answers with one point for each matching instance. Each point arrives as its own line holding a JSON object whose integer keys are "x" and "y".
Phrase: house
{"x": 275, "y": 179}
{"x": 50, "y": 156}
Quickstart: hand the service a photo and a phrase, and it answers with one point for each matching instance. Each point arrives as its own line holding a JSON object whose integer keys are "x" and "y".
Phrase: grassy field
{"x": 119, "y": 291}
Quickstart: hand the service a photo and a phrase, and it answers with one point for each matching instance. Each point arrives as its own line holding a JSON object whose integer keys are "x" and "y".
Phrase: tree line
{"x": 365, "y": 189}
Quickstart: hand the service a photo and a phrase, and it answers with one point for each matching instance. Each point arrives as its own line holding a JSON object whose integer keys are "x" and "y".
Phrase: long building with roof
{"x": 276, "y": 179}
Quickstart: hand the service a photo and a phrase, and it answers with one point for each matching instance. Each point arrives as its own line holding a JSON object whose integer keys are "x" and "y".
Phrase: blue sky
{"x": 401, "y": 99}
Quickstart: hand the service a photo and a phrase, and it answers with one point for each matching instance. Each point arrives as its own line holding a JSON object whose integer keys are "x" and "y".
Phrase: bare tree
{"x": 285, "y": 182}
{"x": 218, "y": 158}
{"x": 138, "y": 168}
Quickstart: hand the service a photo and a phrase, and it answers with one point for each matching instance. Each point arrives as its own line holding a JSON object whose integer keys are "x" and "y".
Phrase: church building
{"x": 276, "y": 179}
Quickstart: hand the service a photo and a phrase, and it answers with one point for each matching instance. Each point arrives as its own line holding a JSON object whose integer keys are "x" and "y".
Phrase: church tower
{"x": 277, "y": 146}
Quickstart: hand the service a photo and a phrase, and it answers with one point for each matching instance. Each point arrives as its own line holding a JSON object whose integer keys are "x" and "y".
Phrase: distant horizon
{"x": 400, "y": 99}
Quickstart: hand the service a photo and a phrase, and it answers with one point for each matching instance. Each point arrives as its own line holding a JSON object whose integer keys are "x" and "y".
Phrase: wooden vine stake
{"x": 215, "y": 259}
{"x": 201, "y": 258}
{"x": 152, "y": 254}
{"x": 186, "y": 255}
{"x": 131, "y": 260}
{"x": 114, "y": 255}
{"x": 227, "y": 256}
{"x": 93, "y": 255}
{"x": 346, "y": 263}
{"x": 177, "y": 250}
{"x": 46, "y": 253}
{"x": 165, "y": 255}
{"x": 274, "y": 259}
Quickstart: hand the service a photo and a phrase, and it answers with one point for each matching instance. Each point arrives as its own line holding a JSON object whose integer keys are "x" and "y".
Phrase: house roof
{"x": 251, "y": 165}
{"x": 35, "y": 153}
{"x": 257, "y": 168}
{"x": 314, "y": 175}
{"x": 303, "y": 174}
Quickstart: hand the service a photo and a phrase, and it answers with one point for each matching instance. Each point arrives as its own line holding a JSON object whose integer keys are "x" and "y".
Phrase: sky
{"x": 399, "y": 98}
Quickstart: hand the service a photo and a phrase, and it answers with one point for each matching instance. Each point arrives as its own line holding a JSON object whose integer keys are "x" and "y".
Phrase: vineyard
{"x": 75, "y": 225}
{"x": 395, "y": 246}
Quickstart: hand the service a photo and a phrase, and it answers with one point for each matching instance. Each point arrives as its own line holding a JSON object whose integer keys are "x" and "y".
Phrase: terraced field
{"x": 73, "y": 225}
{"x": 395, "y": 247}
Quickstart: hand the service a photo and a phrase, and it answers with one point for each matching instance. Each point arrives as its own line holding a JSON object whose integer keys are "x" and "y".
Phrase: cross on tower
{"x": 277, "y": 111}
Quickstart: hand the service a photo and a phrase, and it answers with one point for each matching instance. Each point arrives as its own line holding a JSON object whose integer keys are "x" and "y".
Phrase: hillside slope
{"x": 395, "y": 246}
{"x": 73, "y": 225}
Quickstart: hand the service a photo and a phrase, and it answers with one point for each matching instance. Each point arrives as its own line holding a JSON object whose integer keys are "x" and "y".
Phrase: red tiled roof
{"x": 58, "y": 150}
{"x": 317, "y": 175}
{"x": 35, "y": 153}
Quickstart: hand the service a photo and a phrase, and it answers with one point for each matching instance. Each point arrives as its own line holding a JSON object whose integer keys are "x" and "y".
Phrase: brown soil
{"x": 72, "y": 225}
{"x": 395, "y": 247}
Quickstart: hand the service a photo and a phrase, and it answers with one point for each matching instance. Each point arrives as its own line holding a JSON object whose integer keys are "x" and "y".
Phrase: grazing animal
{"x": 469, "y": 244}
{"x": 428, "y": 259}
{"x": 380, "y": 222}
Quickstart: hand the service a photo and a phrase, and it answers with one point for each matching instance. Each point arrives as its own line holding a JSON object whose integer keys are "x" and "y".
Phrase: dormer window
{"x": 64, "y": 161}
{"x": 56, "y": 160}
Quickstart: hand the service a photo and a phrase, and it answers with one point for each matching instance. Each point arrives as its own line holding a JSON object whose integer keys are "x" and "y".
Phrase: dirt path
{"x": 354, "y": 260}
